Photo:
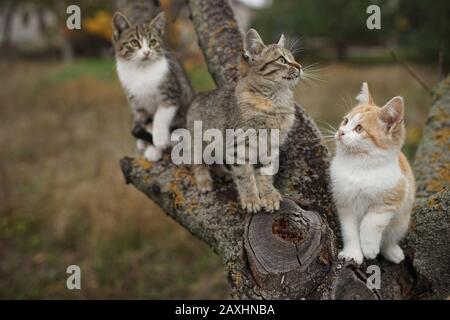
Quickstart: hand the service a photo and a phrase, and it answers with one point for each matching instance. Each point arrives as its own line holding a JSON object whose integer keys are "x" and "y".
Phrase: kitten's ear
{"x": 364, "y": 97}
{"x": 392, "y": 113}
{"x": 159, "y": 23}
{"x": 282, "y": 41}
{"x": 120, "y": 24}
{"x": 253, "y": 45}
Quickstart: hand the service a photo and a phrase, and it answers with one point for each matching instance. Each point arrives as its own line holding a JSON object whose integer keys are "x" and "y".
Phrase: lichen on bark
{"x": 217, "y": 219}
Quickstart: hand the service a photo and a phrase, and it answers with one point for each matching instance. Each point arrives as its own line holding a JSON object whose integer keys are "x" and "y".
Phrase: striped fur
{"x": 262, "y": 99}
{"x": 155, "y": 83}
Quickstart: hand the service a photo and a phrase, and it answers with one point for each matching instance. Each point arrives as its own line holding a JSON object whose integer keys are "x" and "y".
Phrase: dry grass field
{"x": 63, "y": 199}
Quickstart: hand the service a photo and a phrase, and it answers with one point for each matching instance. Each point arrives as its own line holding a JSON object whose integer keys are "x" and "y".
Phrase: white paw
{"x": 161, "y": 138}
{"x": 393, "y": 253}
{"x": 370, "y": 249}
{"x": 251, "y": 204}
{"x": 354, "y": 254}
{"x": 205, "y": 185}
{"x": 271, "y": 201}
{"x": 152, "y": 153}
{"x": 140, "y": 145}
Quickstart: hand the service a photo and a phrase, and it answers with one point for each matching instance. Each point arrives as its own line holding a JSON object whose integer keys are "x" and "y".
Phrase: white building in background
{"x": 27, "y": 26}
{"x": 244, "y": 9}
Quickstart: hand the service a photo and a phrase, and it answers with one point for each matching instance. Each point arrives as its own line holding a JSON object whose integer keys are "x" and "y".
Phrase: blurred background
{"x": 65, "y": 124}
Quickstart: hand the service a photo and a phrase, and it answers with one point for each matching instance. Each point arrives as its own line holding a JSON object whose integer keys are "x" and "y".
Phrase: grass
{"x": 63, "y": 199}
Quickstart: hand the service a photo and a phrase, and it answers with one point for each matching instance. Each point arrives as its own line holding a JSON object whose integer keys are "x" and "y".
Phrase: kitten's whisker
{"x": 330, "y": 131}
{"x": 311, "y": 76}
{"x": 328, "y": 124}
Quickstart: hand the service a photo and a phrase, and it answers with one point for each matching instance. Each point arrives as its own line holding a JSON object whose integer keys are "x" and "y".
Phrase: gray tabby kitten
{"x": 156, "y": 85}
{"x": 261, "y": 99}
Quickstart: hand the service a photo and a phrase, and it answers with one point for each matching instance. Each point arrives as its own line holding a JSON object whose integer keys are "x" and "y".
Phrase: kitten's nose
{"x": 146, "y": 53}
{"x": 341, "y": 133}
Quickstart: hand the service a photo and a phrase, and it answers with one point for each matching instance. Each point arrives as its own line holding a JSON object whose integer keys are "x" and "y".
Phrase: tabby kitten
{"x": 155, "y": 83}
{"x": 372, "y": 182}
{"x": 261, "y": 99}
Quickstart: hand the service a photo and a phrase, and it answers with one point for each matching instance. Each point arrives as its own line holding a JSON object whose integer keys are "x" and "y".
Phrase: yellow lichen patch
{"x": 182, "y": 173}
{"x": 442, "y": 137}
{"x": 441, "y": 180}
{"x": 434, "y": 186}
{"x": 444, "y": 174}
{"x": 144, "y": 164}
{"x": 431, "y": 202}
{"x": 178, "y": 198}
{"x": 236, "y": 277}
{"x": 291, "y": 187}
{"x": 412, "y": 226}
{"x": 232, "y": 207}
{"x": 192, "y": 206}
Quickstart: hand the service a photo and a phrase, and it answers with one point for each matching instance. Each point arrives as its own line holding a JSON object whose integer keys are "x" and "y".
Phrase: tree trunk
{"x": 292, "y": 254}
{"x": 65, "y": 46}
{"x": 341, "y": 51}
{"x": 8, "y": 10}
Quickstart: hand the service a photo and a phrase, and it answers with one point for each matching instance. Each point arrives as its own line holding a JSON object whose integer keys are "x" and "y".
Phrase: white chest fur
{"x": 142, "y": 79}
{"x": 357, "y": 182}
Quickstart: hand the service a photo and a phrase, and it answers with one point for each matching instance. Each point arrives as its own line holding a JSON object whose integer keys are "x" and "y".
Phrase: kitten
{"x": 261, "y": 99}
{"x": 372, "y": 181}
{"x": 155, "y": 83}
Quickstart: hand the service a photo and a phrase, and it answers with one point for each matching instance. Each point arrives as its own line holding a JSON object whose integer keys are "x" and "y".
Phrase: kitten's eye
{"x": 152, "y": 42}
{"x": 359, "y": 128}
{"x": 282, "y": 60}
{"x": 345, "y": 121}
{"x": 134, "y": 43}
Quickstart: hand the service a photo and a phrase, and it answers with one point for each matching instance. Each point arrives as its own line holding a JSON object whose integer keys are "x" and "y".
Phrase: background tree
{"x": 425, "y": 30}
{"x": 340, "y": 22}
{"x": 292, "y": 253}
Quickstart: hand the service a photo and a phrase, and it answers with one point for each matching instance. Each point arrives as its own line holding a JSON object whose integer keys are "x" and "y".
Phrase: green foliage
{"x": 340, "y": 21}
{"x": 420, "y": 27}
{"x": 425, "y": 28}
{"x": 101, "y": 69}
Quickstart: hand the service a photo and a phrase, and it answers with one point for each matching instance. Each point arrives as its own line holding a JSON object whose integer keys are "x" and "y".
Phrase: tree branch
{"x": 218, "y": 37}
{"x": 290, "y": 254}
{"x": 432, "y": 165}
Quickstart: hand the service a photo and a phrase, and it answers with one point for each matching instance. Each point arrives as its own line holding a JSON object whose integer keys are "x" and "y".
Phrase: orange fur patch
{"x": 256, "y": 101}
{"x": 374, "y": 128}
{"x": 395, "y": 197}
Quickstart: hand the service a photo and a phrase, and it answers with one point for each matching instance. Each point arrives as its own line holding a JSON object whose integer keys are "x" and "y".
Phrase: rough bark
{"x": 290, "y": 254}
{"x": 430, "y": 235}
{"x": 218, "y": 37}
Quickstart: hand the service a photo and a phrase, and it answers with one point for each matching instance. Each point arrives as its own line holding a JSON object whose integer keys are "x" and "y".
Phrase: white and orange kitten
{"x": 372, "y": 182}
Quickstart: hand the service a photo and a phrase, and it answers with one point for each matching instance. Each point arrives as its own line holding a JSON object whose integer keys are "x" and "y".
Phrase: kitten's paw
{"x": 393, "y": 253}
{"x": 223, "y": 173}
{"x": 354, "y": 254}
{"x": 205, "y": 184}
{"x": 271, "y": 201}
{"x": 152, "y": 153}
{"x": 251, "y": 204}
{"x": 140, "y": 145}
{"x": 161, "y": 138}
{"x": 369, "y": 249}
